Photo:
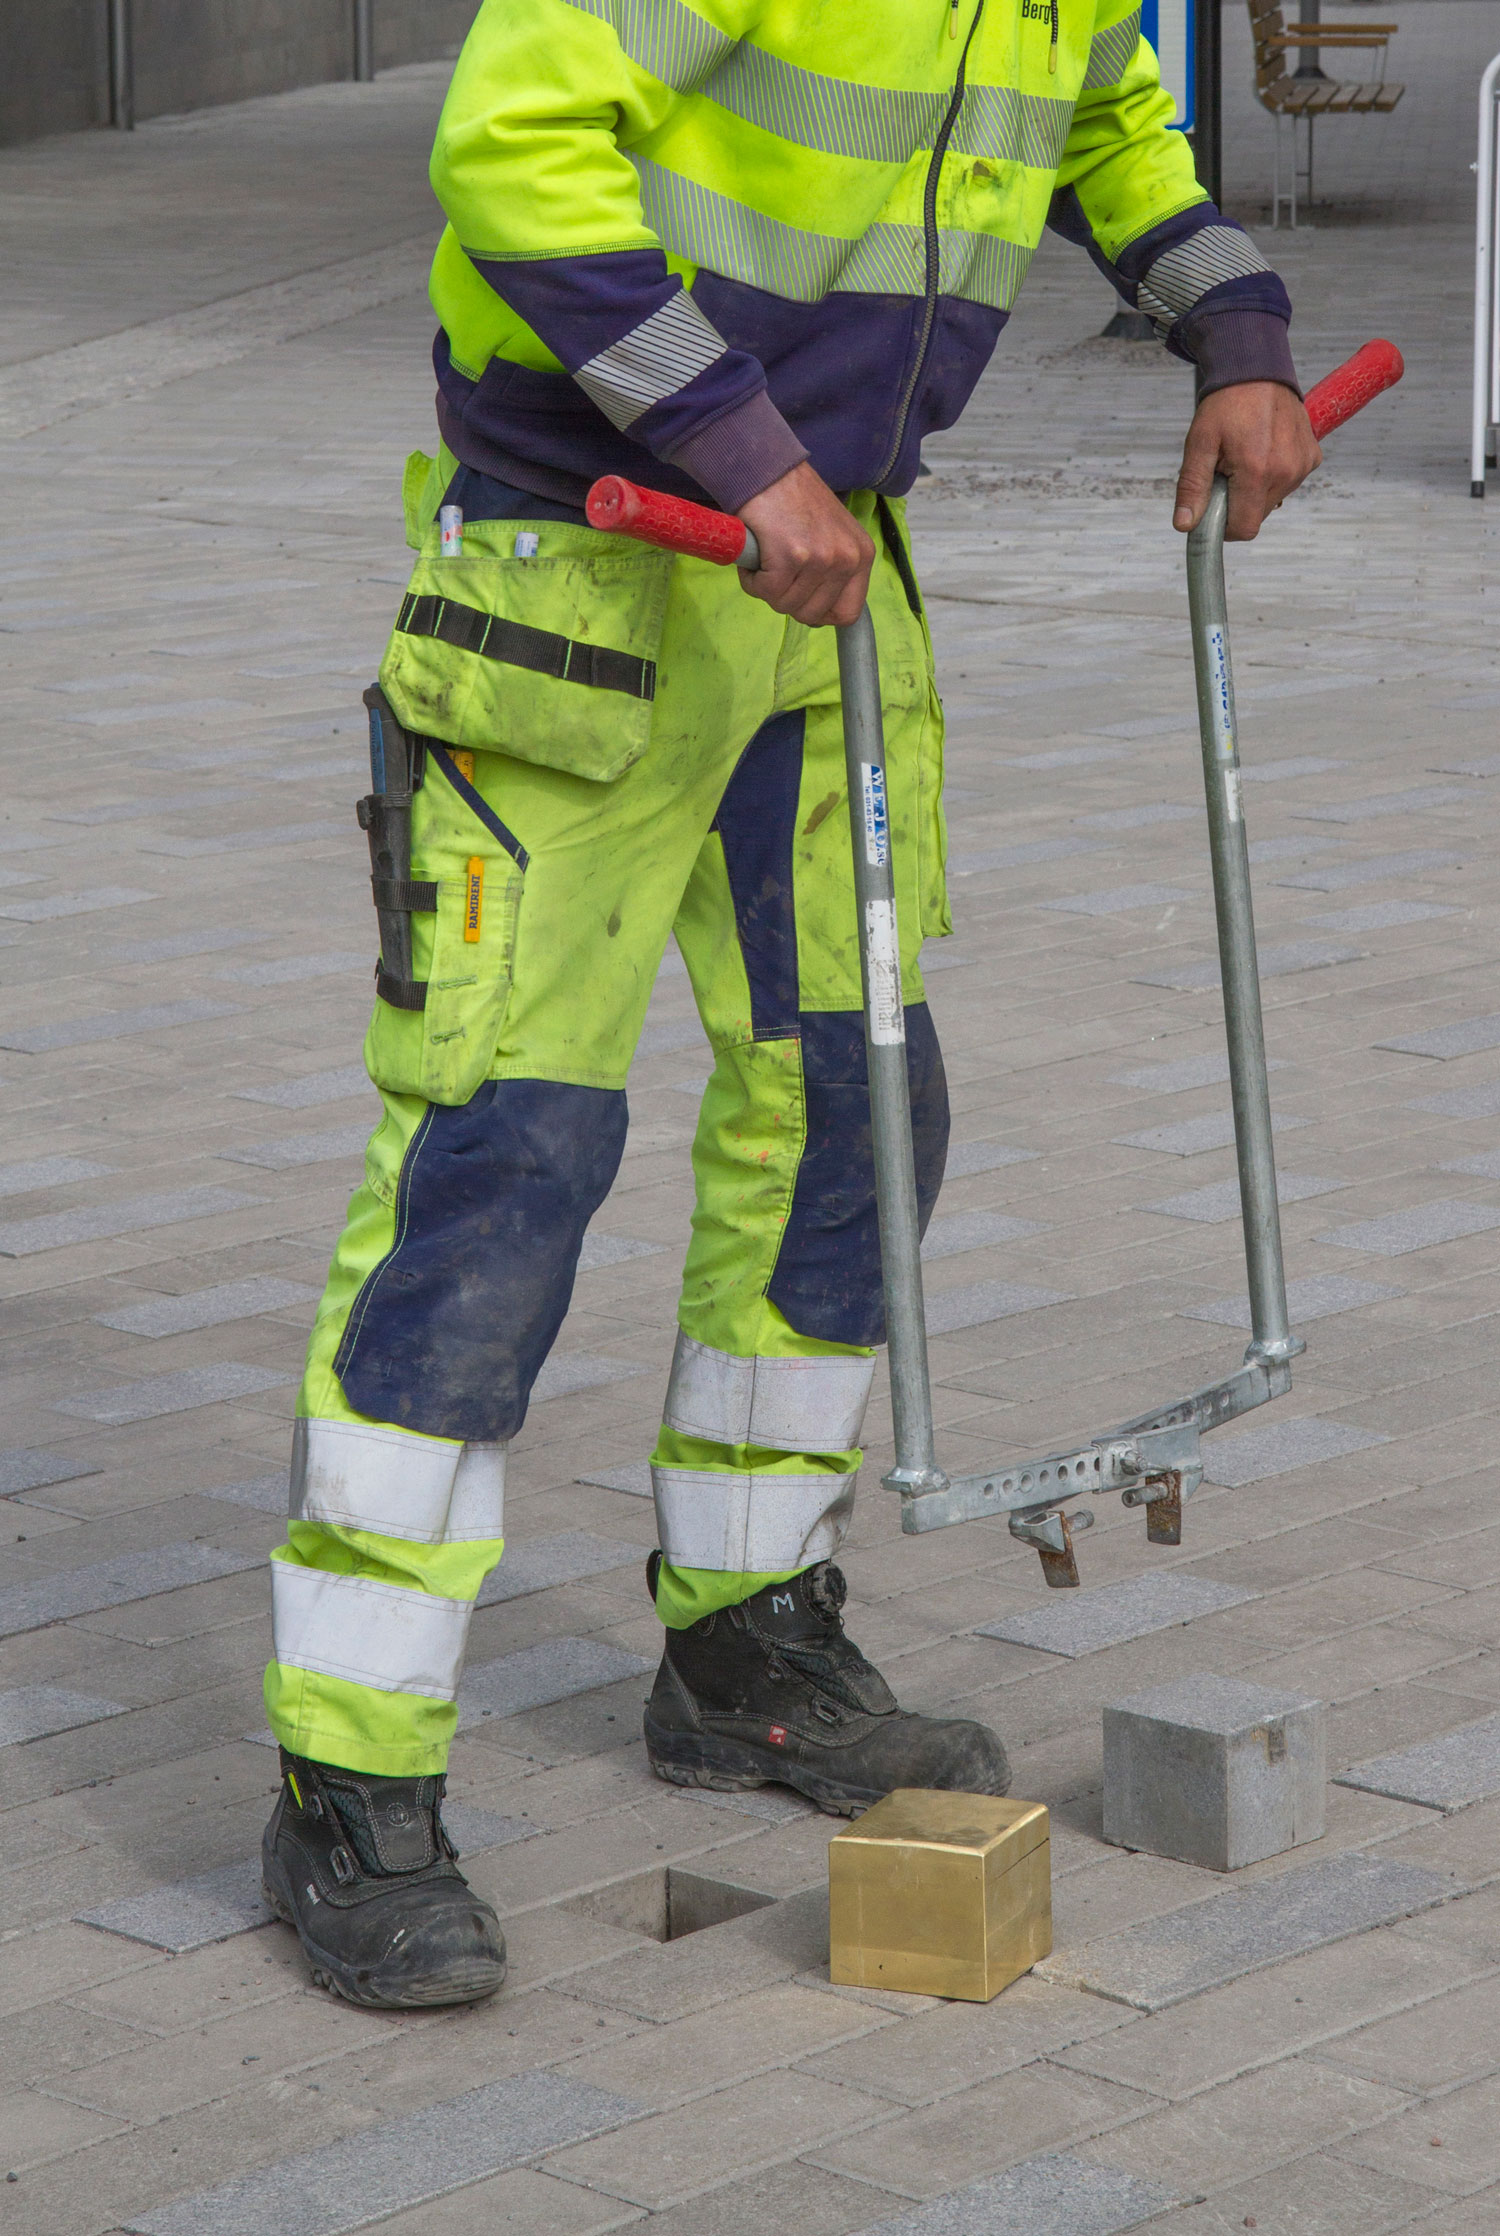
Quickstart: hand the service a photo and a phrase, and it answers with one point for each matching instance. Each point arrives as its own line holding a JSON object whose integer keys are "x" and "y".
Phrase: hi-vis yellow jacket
{"x": 697, "y": 242}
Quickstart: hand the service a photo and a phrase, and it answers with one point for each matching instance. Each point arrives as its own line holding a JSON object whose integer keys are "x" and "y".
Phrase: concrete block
{"x": 568, "y": 1372}
{"x": 292, "y": 1150}
{"x": 175, "y": 947}
{"x": 1220, "y": 1200}
{"x": 217, "y": 1307}
{"x": 1470, "y": 1036}
{"x": 977, "y": 1305}
{"x": 1414, "y": 802}
{"x": 49, "y": 1172}
{"x": 22, "y": 1469}
{"x": 565, "y": 1559}
{"x": 1275, "y": 962}
{"x": 614, "y": 1249}
{"x": 538, "y": 1675}
{"x": 75, "y": 904}
{"x": 113, "y": 1583}
{"x": 1075, "y": 1623}
{"x": 1114, "y": 900}
{"x": 1190, "y": 1137}
{"x": 1314, "y": 1298}
{"x": 313, "y": 1088}
{"x": 1463, "y": 1102}
{"x": 966, "y": 1157}
{"x": 1381, "y": 916}
{"x": 974, "y": 1230}
{"x": 634, "y": 1479}
{"x": 1279, "y": 1446}
{"x": 1213, "y": 1771}
{"x": 292, "y": 970}
{"x": 1376, "y": 869}
{"x": 182, "y": 1392}
{"x": 116, "y": 1024}
{"x": 1018, "y": 857}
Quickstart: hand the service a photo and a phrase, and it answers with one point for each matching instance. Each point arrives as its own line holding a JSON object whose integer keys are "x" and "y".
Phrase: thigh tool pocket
{"x": 447, "y": 889}
{"x": 539, "y": 642}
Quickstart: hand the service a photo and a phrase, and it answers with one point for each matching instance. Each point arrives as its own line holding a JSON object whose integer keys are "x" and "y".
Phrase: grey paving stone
{"x": 1313, "y": 1299}
{"x": 57, "y": 905}
{"x": 247, "y": 842}
{"x": 315, "y": 1087}
{"x": 1176, "y": 1078}
{"x": 1117, "y": 899}
{"x": 966, "y": 1157}
{"x": 1446, "y": 1773}
{"x": 178, "y": 945}
{"x": 564, "y": 1559}
{"x": 1469, "y": 1037}
{"x": 1054, "y": 2195}
{"x": 208, "y": 1308}
{"x": 1274, "y": 962}
{"x": 773, "y": 1805}
{"x": 1086, "y": 1622}
{"x": 36, "y": 1711}
{"x": 634, "y": 1479}
{"x": 1220, "y": 1200}
{"x": 568, "y": 1372}
{"x": 49, "y": 1172}
{"x": 983, "y": 1301}
{"x": 474, "y": 1830}
{"x": 1463, "y": 1102}
{"x": 293, "y": 1150}
{"x": 1486, "y": 1166}
{"x": 1166, "y": 1960}
{"x": 292, "y": 970}
{"x": 1303, "y": 764}
{"x": 25, "y": 1470}
{"x": 1420, "y": 1228}
{"x": 116, "y": 1582}
{"x": 1138, "y": 818}
{"x": 28, "y": 842}
{"x": 1189, "y": 1137}
{"x": 1279, "y": 1446}
{"x": 974, "y": 1230}
{"x": 116, "y": 1024}
{"x": 1289, "y": 849}
{"x": 666, "y": 1038}
{"x": 1065, "y": 757}
{"x": 56, "y": 1230}
{"x": 1376, "y": 869}
{"x": 424, "y": 2155}
{"x": 190, "y": 1913}
{"x": 1413, "y": 802}
{"x": 537, "y": 1675}
{"x": 182, "y": 1392}
{"x": 144, "y": 811}
{"x": 268, "y": 1494}
{"x": 164, "y": 710}
{"x": 1381, "y": 916}
{"x": 613, "y": 1250}
{"x": 1487, "y": 765}
{"x": 1017, "y": 857}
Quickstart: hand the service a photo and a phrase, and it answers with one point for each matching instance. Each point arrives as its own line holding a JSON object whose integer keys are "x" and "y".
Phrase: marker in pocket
{"x": 464, "y": 763}
{"x": 451, "y": 531}
{"x": 474, "y": 900}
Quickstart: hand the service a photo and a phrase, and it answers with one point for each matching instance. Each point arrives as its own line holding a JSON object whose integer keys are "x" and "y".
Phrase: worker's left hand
{"x": 1258, "y": 435}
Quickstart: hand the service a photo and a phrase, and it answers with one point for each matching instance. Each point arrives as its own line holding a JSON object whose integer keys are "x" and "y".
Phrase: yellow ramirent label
{"x": 464, "y": 763}
{"x": 474, "y": 899}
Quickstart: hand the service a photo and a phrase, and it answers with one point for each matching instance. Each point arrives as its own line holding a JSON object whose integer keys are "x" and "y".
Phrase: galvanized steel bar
{"x": 1271, "y": 1338}
{"x": 916, "y": 1469}
{"x": 122, "y": 65}
{"x": 364, "y": 40}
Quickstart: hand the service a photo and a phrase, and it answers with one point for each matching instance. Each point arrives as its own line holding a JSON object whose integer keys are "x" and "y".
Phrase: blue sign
{"x": 1167, "y": 25}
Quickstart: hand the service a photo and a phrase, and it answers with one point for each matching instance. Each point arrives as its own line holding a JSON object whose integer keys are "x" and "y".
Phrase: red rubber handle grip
{"x": 1349, "y": 387}
{"x": 621, "y": 509}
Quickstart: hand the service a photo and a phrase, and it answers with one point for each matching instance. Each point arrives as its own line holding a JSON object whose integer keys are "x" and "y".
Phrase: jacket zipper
{"x": 931, "y": 248}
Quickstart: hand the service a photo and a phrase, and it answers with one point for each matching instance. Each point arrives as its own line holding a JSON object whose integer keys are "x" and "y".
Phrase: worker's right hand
{"x": 815, "y": 558}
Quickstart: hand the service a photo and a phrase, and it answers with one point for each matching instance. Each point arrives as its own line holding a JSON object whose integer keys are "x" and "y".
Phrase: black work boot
{"x": 773, "y": 1692}
{"x": 364, "y": 1869}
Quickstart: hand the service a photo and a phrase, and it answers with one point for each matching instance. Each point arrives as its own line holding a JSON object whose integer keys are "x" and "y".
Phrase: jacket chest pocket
{"x": 473, "y": 870}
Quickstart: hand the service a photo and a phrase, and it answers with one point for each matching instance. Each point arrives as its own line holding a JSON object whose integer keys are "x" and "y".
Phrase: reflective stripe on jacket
{"x": 697, "y": 243}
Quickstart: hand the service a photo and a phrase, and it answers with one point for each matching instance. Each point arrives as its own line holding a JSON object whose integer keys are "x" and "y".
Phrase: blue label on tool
{"x": 877, "y": 826}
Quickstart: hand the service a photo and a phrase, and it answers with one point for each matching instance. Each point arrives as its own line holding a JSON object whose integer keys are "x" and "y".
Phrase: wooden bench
{"x": 1295, "y": 100}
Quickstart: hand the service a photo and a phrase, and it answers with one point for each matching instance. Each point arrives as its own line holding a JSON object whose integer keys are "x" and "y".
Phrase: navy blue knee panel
{"x": 450, "y": 1330}
{"x": 826, "y": 1281}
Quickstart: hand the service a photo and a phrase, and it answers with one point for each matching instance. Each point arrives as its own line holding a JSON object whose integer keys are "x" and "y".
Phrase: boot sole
{"x": 460, "y": 1983}
{"x": 685, "y": 1758}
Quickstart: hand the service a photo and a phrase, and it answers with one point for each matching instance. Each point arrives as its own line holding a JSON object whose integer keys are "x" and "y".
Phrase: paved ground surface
{"x": 200, "y": 560}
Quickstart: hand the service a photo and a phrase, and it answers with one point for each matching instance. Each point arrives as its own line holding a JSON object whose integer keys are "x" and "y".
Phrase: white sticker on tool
{"x": 1233, "y": 795}
{"x": 883, "y": 961}
{"x": 877, "y": 823}
{"x": 1219, "y": 687}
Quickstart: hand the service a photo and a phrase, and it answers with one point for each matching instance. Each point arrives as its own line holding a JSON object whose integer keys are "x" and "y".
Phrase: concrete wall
{"x": 192, "y": 54}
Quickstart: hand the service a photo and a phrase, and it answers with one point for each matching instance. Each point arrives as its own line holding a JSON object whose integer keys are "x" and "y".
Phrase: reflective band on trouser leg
{"x": 366, "y": 1633}
{"x": 744, "y": 1522}
{"x": 362, "y": 1475}
{"x": 812, "y": 1404}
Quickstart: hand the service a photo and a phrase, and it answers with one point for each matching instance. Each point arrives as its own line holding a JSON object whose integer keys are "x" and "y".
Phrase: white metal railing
{"x": 1486, "y": 297}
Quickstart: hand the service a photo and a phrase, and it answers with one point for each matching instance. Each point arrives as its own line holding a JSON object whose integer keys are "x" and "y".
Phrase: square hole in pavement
{"x": 668, "y": 1904}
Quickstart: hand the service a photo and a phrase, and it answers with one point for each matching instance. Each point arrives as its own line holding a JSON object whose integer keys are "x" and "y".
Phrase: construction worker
{"x": 750, "y": 252}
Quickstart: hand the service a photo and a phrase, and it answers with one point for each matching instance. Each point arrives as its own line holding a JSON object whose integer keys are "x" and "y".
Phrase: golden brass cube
{"x": 940, "y": 1894}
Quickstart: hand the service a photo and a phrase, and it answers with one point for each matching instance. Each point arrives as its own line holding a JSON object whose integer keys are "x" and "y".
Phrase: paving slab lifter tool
{"x": 1154, "y": 1461}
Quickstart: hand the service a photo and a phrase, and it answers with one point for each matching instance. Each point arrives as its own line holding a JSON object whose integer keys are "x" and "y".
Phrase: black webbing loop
{"x": 518, "y": 645}
{"x": 890, "y": 536}
{"x": 401, "y": 993}
{"x": 405, "y": 893}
